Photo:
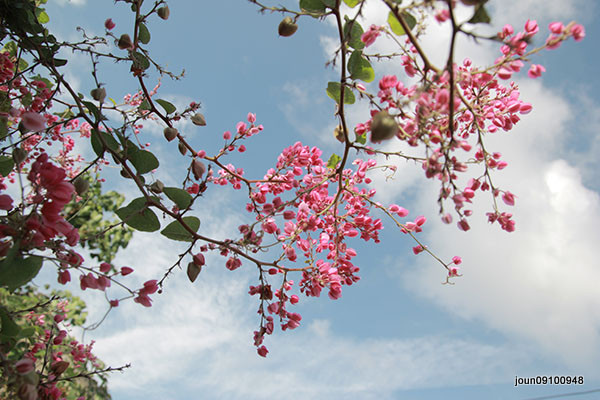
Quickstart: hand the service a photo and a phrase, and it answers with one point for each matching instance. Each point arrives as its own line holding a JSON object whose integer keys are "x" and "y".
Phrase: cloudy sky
{"x": 528, "y": 303}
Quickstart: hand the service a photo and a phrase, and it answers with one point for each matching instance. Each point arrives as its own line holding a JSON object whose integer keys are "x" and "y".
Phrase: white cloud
{"x": 63, "y": 3}
{"x": 537, "y": 283}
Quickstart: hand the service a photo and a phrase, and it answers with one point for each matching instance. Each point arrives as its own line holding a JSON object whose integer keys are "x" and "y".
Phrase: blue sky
{"x": 528, "y": 303}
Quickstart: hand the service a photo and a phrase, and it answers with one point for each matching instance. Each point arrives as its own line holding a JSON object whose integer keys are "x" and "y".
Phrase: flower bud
{"x": 182, "y": 148}
{"x": 338, "y": 132}
{"x": 81, "y": 185}
{"x": 193, "y": 271}
{"x": 125, "y": 42}
{"x": 19, "y": 155}
{"x": 198, "y": 169}
{"x": 287, "y": 27}
{"x": 383, "y": 127}
{"x": 98, "y": 94}
{"x": 157, "y": 187}
{"x": 58, "y": 367}
{"x": 164, "y": 12}
{"x": 198, "y": 119}
{"x": 170, "y": 133}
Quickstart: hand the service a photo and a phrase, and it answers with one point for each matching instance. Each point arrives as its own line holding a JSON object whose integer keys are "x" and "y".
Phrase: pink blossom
{"x": 508, "y": 198}
{"x": 143, "y": 300}
{"x": 294, "y": 299}
{"x": 233, "y": 263}
{"x": 6, "y": 202}
{"x": 33, "y": 121}
{"x": 442, "y": 15}
{"x": 463, "y": 225}
{"x": 199, "y": 259}
{"x": 504, "y": 73}
{"x": 531, "y": 27}
{"x": 556, "y": 27}
{"x": 150, "y": 287}
{"x": 114, "y": 303}
{"x": 507, "y": 30}
{"x": 536, "y": 70}
{"x": 251, "y": 118}
{"x": 227, "y": 135}
{"x": 126, "y": 271}
{"x": 578, "y": 32}
{"x": 369, "y": 37}
{"x": 109, "y": 24}
{"x": 262, "y": 351}
{"x": 24, "y": 366}
{"x": 456, "y": 260}
{"x": 105, "y": 267}
{"x": 64, "y": 276}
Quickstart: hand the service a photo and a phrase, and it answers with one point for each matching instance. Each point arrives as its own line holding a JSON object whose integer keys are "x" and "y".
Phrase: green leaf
{"x": 329, "y": 3}
{"x": 334, "y": 91}
{"x": 179, "y": 196}
{"x": 97, "y": 143}
{"x": 16, "y": 271}
{"x": 138, "y": 216}
{"x": 360, "y": 68}
{"x": 333, "y": 161}
{"x": 3, "y": 128}
{"x": 169, "y": 108}
{"x": 395, "y": 24}
{"x": 8, "y": 328}
{"x": 354, "y": 35}
{"x": 480, "y": 15}
{"x": 144, "y": 34}
{"x": 94, "y": 110}
{"x": 145, "y": 105}
{"x": 143, "y": 161}
{"x": 351, "y": 3}
{"x": 312, "y": 6}
{"x": 362, "y": 139}
{"x": 6, "y": 165}
{"x": 176, "y": 231}
{"x": 140, "y": 61}
{"x": 42, "y": 17}
{"x": 59, "y": 62}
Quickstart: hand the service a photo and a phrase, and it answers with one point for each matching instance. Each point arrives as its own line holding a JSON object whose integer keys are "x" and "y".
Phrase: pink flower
{"x": 578, "y": 32}
{"x": 556, "y": 27}
{"x": 33, "y": 121}
{"x": 143, "y": 300}
{"x": 442, "y": 15}
{"x": 531, "y": 27}
{"x": 227, "y": 135}
{"x": 262, "y": 351}
{"x": 24, "y": 366}
{"x": 126, "y": 271}
{"x": 504, "y": 73}
{"x": 508, "y": 198}
{"x": 105, "y": 267}
{"x": 535, "y": 71}
{"x": 109, "y": 24}
{"x": 233, "y": 263}
{"x": 64, "y": 276}
{"x": 114, "y": 303}
{"x": 368, "y": 38}
{"x": 293, "y": 299}
{"x": 417, "y": 249}
{"x": 463, "y": 225}
{"x": 456, "y": 260}
{"x": 199, "y": 259}
{"x": 149, "y": 287}
{"x": 6, "y": 202}
{"x": 251, "y": 118}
